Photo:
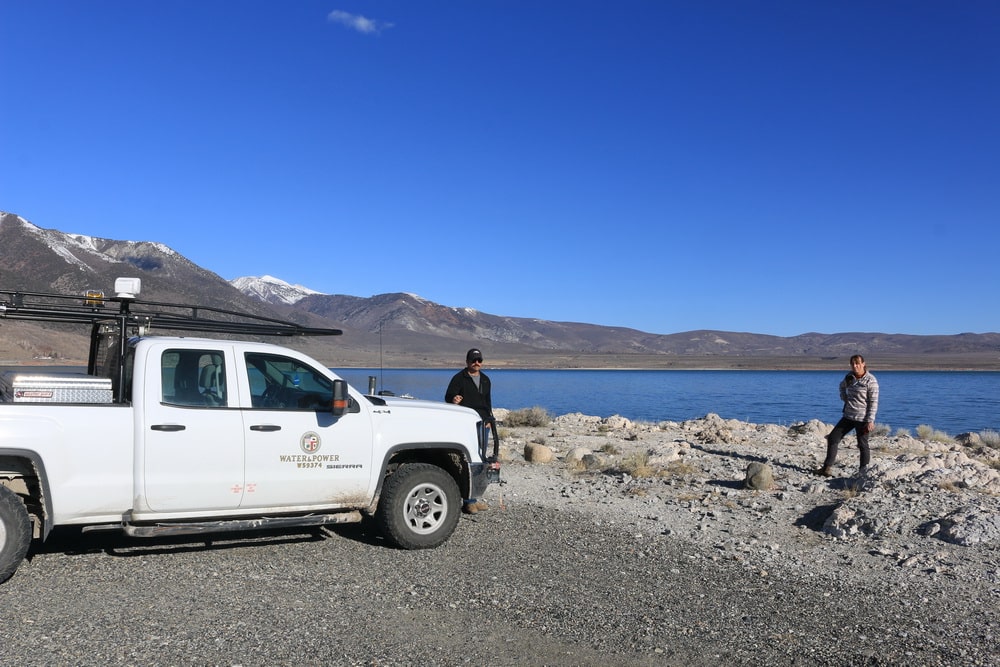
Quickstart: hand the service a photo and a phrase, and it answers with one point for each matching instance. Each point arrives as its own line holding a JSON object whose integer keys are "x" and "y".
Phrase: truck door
{"x": 297, "y": 452}
{"x": 192, "y": 456}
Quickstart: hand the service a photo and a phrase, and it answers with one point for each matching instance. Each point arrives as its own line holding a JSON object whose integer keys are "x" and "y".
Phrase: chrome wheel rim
{"x": 426, "y": 508}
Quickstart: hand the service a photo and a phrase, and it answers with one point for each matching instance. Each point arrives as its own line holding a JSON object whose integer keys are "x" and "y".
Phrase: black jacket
{"x": 478, "y": 399}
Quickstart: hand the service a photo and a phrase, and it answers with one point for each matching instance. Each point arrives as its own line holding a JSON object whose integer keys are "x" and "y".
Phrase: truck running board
{"x": 234, "y": 525}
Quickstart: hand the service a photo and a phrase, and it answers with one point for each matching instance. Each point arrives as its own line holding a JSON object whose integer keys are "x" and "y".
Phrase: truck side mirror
{"x": 341, "y": 398}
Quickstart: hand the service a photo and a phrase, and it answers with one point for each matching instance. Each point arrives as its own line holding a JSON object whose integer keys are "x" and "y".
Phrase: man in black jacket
{"x": 470, "y": 387}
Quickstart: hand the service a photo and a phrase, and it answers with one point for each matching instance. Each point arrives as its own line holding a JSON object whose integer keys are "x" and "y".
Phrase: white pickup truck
{"x": 166, "y": 435}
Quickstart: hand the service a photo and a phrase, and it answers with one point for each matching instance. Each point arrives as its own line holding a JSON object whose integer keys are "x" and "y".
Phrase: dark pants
{"x": 843, "y": 427}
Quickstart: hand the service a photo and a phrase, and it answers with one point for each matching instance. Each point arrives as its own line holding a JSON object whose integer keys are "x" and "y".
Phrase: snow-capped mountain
{"x": 36, "y": 259}
{"x": 272, "y": 290}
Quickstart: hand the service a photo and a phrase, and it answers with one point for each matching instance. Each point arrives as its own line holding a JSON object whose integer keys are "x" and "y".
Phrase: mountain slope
{"x": 404, "y": 329}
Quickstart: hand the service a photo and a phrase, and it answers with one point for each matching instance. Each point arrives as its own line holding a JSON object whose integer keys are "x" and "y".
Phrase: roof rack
{"x": 141, "y": 316}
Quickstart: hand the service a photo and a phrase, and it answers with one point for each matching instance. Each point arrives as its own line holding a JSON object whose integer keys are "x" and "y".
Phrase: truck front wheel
{"x": 419, "y": 506}
{"x": 15, "y": 532}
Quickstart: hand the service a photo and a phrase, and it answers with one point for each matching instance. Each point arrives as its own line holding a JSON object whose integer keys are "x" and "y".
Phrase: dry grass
{"x": 535, "y": 417}
{"x": 637, "y": 465}
{"x": 679, "y": 468}
{"x": 926, "y": 432}
{"x": 881, "y": 430}
{"x": 990, "y": 438}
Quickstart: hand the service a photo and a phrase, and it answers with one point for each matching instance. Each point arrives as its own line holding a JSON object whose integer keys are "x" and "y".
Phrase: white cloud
{"x": 357, "y": 22}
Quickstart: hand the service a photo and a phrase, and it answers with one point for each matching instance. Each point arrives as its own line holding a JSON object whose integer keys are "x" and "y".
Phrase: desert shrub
{"x": 637, "y": 465}
{"x": 903, "y": 433}
{"x": 926, "y": 432}
{"x": 535, "y": 416}
{"x": 678, "y": 468}
{"x": 881, "y": 429}
{"x": 609, "y": 448}
{"x": 990, "y": 438}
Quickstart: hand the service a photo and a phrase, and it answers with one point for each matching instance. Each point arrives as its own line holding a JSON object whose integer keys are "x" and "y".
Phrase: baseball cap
{"x": 473, "y": 354}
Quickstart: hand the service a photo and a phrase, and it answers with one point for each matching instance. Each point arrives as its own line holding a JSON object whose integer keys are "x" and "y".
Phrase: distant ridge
{"x": 404, "y": 329}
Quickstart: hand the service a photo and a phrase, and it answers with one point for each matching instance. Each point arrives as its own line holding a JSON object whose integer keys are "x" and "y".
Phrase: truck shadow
{"x": 73, "y": 541}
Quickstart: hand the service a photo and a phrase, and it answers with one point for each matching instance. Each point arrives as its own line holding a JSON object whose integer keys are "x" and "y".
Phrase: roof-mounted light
{"x": 94, "y": 298}
{"x": 127, "y": 288}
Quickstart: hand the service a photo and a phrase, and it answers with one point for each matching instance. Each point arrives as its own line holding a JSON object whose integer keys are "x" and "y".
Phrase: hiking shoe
{"x": 470, "y": 508}
{"x": 823, "y": 472}
{"x": 481, "y": 506}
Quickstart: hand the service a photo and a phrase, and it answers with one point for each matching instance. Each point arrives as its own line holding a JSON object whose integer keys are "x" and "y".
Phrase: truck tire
{"x": 419, "y": 506}
{"x": 15, "y": 533}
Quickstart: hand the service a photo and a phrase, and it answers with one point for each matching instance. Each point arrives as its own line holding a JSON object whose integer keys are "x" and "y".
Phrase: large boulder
{"x": 538, "y": 453}
{"x": 759, "y": 476}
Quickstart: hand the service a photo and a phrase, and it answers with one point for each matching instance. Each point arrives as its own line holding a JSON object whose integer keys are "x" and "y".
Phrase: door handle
{"x": 167, "y": 427}
{"x": 265, "y": 427}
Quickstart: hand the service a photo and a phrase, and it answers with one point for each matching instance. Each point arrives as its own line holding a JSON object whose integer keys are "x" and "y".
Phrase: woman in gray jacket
{"x": 859, "y": 392}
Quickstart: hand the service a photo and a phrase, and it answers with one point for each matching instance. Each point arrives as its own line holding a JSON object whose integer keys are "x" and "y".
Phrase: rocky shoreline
{"x": 924, "y": 516}
{"x": 938, "y": 496}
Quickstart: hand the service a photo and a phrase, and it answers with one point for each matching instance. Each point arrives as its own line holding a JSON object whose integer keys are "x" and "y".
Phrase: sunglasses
{"x": 476, "y": 360}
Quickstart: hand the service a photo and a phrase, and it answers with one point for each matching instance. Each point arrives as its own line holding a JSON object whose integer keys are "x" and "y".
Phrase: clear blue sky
{"x": 773, "y": 167}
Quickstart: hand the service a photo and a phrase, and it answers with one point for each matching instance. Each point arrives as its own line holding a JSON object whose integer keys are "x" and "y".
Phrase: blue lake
{"x": 953, "y": 402}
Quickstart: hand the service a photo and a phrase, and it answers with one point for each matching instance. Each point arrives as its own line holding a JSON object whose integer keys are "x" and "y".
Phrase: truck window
{"x": 282, "y": 383}
{"x": 193, "y": 378}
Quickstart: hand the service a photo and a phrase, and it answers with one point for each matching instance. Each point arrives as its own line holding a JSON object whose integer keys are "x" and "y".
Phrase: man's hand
{"x": 869, "y": 427}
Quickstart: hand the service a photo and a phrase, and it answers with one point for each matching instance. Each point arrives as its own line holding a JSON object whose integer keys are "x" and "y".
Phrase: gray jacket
{"x": 860, "y": 397}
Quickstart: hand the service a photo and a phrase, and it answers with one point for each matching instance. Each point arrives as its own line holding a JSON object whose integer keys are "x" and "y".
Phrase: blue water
{"x": 953, "y": 402}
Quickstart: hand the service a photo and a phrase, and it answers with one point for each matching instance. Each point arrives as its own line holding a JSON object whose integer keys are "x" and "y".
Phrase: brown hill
{"x": 404, "y": 330}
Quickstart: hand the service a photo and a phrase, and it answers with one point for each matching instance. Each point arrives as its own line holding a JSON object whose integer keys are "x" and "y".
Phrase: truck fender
{"x": 27, "y": 465}
{"x": 450, "y": 456}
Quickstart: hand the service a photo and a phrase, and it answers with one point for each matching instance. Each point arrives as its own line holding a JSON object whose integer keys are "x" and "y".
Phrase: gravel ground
{"x": 566, "y": 568}
{"x": 520, "y": 584}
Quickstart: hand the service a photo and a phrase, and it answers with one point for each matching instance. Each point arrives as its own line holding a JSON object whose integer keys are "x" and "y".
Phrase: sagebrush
{"x": 927, "y": 432}
{"x": 535, "y": 416}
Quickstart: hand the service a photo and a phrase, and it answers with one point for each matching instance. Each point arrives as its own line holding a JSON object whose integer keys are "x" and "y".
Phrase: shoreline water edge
{"x": 952, "y": 402}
